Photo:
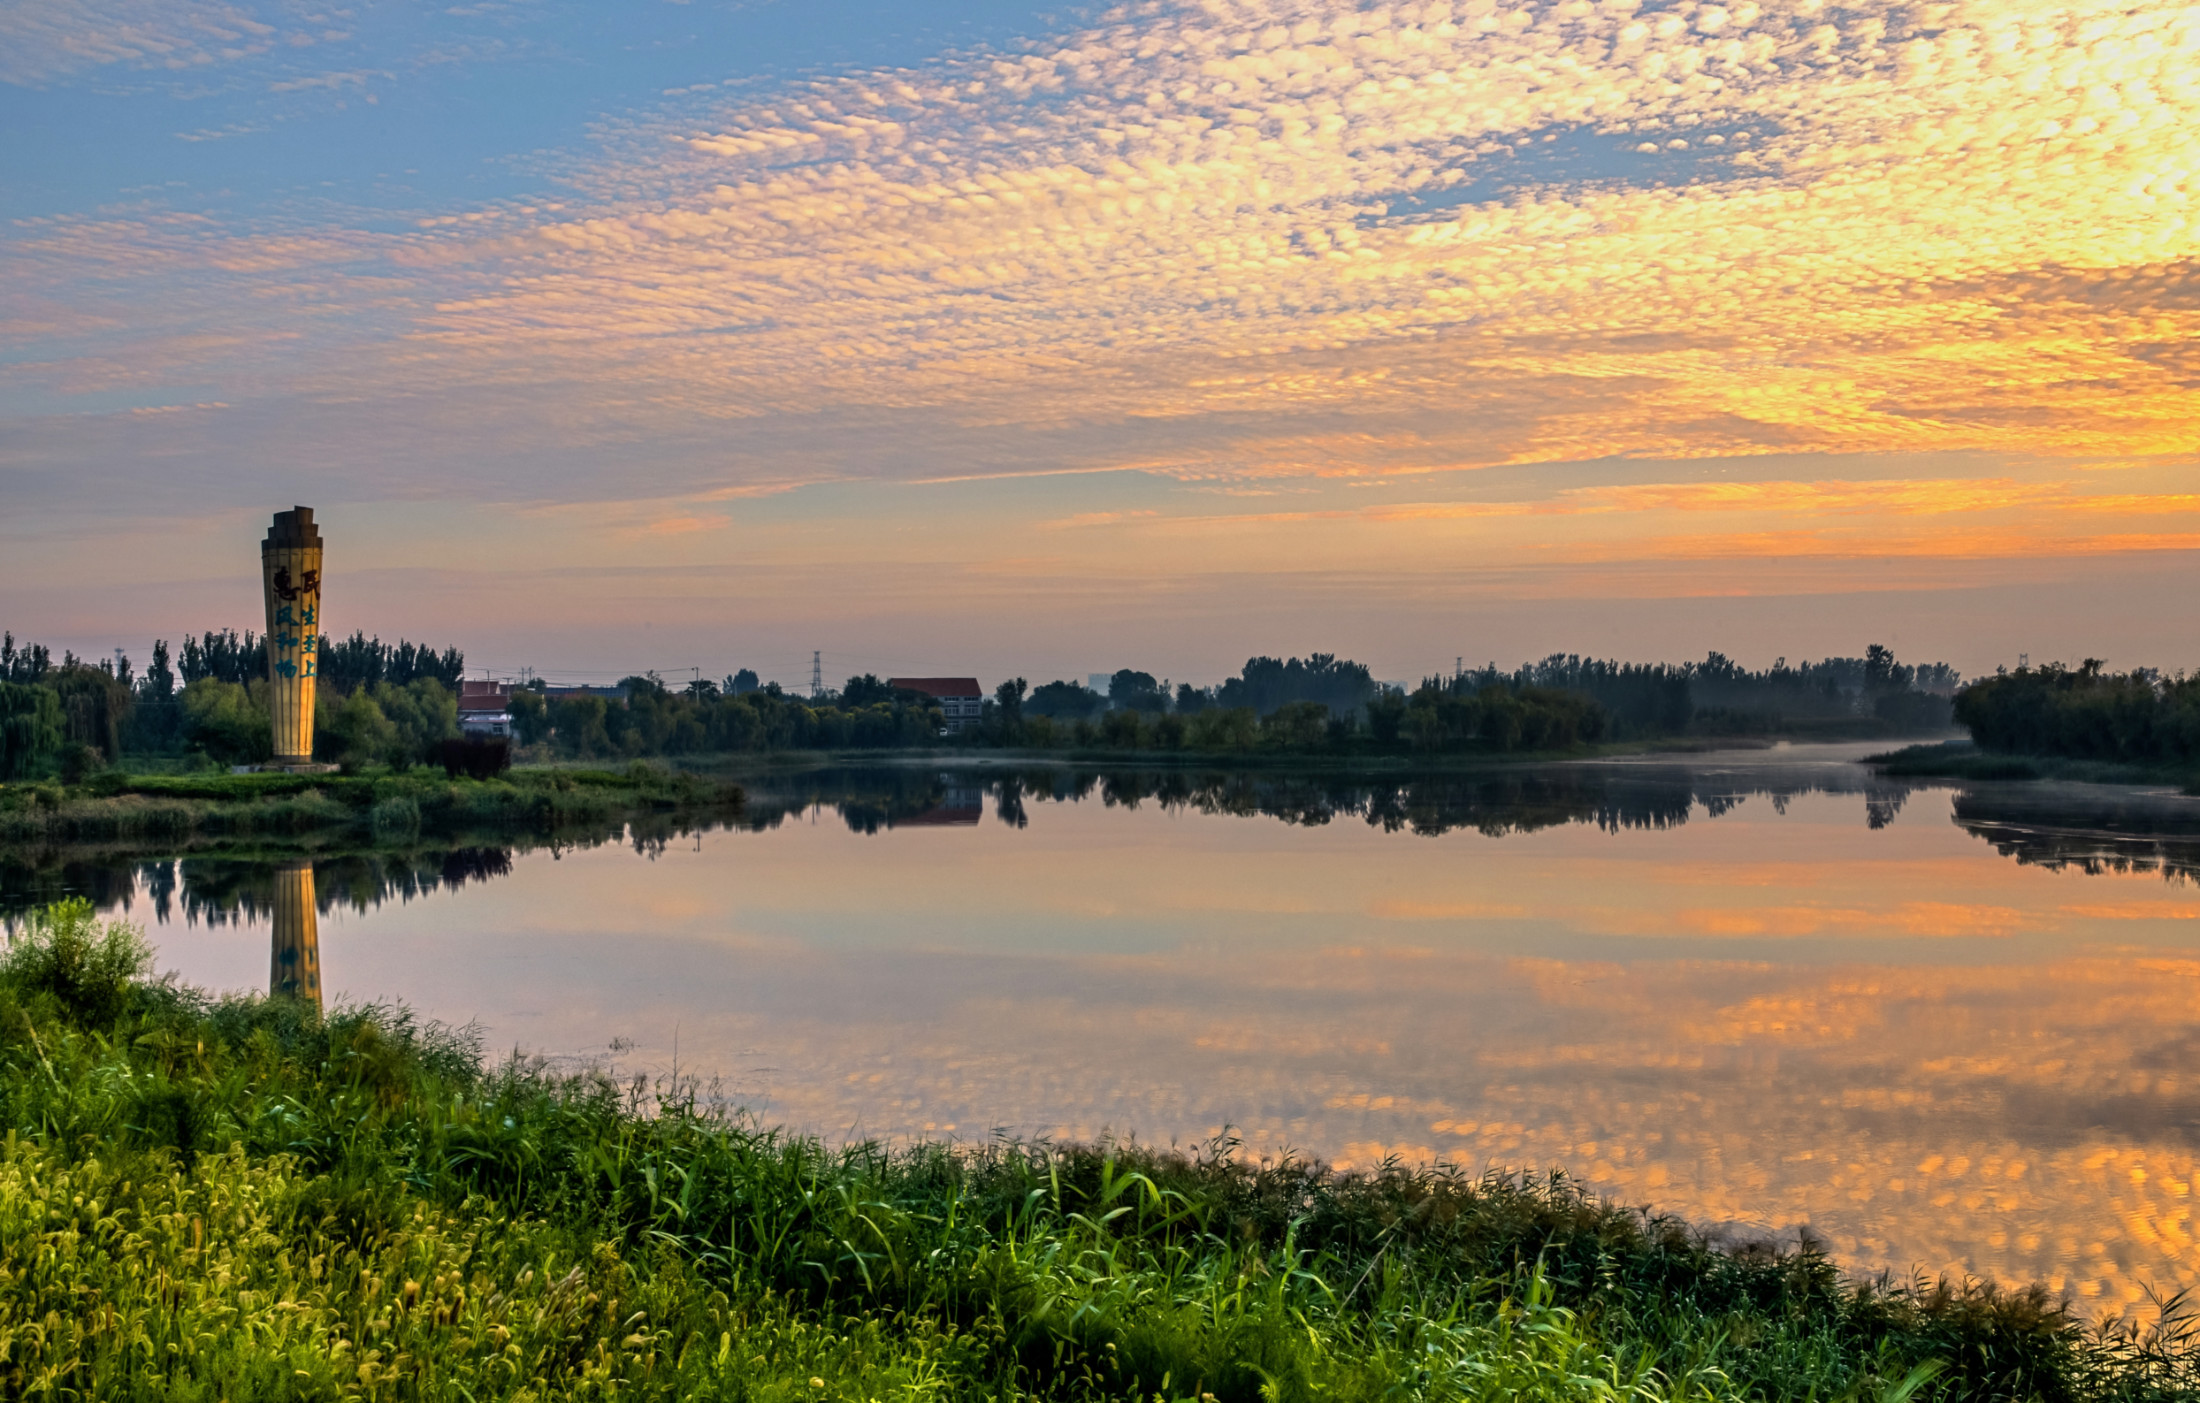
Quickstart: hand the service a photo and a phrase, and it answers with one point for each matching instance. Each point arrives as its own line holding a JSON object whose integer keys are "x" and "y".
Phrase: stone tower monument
{"x": 290, "y": 568}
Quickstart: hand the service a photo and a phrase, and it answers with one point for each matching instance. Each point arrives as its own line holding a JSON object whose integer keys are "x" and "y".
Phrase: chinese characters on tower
{"x": 290, "y": 567}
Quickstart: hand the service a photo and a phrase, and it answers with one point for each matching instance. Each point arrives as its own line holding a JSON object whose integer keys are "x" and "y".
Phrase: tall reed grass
{"x": 239, "y": 1198}
{"x": 115, "y": 806}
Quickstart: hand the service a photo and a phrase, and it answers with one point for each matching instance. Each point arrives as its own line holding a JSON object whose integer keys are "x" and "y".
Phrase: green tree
{"x": 1299, "y": 725}
{"x": 424, "y": 713}
{"x": 228, "y": 720}
{"x": 1068, "y": 700}
{"x": 581, "y": 725}
{"x": 1120, "y": 728}
{"x": 530, "y": 716}
{"x": 1386, "y": 714}
{"x": 358, "y": 733}
{"x": 94, "y": 705}
{"x": 1224, "y": 728}
{"x": 1138, "y": 691}
{"x": 30, "y": 729}
{"x": 867, "y": 690}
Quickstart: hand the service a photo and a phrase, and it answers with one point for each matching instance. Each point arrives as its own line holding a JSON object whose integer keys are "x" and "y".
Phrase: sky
{"x": 988, "y": 338}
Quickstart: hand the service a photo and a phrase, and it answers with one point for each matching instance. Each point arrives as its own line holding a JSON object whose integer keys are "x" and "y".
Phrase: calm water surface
{"x": 1955, "y": 1029}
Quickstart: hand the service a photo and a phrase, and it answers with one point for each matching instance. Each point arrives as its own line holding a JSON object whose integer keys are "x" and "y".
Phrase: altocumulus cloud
{"x": 1927, "y": 241}
{"x": 42, "y": 40}
{"x": 1265, "y": 238}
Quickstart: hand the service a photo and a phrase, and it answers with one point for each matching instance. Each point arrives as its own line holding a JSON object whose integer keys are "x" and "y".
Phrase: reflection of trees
{"x": 869, "y": 799}
{"x": 2063, "y": 827}
{"x": 34, "y": 879}
{"x": 1518, "y": 801}
{"x": 1615, "y": 798}
{"x": 218, "y": 891}
{"x": 2088, "y": 829}
{"x": 221, "y": 884}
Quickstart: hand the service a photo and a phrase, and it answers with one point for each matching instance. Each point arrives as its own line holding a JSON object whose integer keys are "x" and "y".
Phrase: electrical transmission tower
{"x": 817, "y": 674}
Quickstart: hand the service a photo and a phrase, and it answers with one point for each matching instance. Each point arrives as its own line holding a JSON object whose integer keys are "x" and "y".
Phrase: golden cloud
{"x": 1180, "y": 212}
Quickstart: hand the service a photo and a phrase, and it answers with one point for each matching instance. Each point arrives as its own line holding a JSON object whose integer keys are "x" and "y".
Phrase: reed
{"x": 119, "y": 807}
{"x": 240, "y": 1198}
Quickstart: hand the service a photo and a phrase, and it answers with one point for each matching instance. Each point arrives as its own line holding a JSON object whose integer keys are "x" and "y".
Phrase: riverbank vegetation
{"x": 2086, "y": 713}
{"x": 376, "y": 703}
{"x": 395, "y": 706}
{"x": 2085, "y": 724}
{"x": 1321, "y": 706}
{"x": 235, "y": 1198}
{"x": 179, "y": 809}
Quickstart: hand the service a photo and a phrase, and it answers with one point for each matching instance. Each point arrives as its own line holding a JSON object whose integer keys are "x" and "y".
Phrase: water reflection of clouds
{"x": 2032, "y": 1122}
{"x": 1831, "y": 1008}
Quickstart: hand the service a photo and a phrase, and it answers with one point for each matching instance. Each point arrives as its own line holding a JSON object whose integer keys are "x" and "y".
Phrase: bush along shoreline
{"x": 116, "y": 807}
{"x": 241, "y": 1198}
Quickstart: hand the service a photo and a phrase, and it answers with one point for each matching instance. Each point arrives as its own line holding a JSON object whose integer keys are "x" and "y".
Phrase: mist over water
{"x": 1943, "y": 1028}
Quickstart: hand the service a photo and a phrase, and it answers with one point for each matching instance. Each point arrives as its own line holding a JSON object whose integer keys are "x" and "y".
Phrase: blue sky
{"x": 402, "y": 107}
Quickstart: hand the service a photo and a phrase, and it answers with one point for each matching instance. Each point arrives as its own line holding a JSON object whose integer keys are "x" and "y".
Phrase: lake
{"x": 1951, "y": 1028}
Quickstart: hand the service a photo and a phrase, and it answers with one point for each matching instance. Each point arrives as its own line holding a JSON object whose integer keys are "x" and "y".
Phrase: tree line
{"x": 395, "y": 704}
{"x": 377, "y": 703}
{"x": 2085, "y": 713}
{"x": 1324, "y": 703}
{"x": 648, "y": 718}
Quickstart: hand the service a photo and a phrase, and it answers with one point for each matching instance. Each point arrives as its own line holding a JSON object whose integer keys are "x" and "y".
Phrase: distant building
{"x": 484, "y": 708}
{"x": 959, "y": 697}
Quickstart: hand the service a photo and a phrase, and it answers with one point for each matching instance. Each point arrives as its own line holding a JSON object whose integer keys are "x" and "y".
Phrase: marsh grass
{"x": 240, "y": 1198}
{"x": 117, "y": 807}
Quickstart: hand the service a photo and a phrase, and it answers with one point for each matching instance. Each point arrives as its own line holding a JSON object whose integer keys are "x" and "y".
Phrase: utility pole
{"x": 817, "y": 674}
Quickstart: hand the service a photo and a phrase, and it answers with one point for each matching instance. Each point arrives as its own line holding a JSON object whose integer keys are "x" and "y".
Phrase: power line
{"x": 817, "y": 673}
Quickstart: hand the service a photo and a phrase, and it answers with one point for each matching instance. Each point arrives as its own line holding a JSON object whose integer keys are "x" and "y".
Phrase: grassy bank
{"x": 1964, "y": 760}
{"x": 241, "y": 1199}
{"x": 178, "y": 808}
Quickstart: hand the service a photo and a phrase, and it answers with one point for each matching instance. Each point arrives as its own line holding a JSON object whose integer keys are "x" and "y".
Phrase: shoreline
{"x": 383, "y": 809}
{"x": 1963, "y": 760}
{"x": 453, "y": 1212}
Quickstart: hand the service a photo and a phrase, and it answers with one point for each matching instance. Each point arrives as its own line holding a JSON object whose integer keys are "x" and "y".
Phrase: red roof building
{"x": 960, "y": 698}
{"x": 484, "y": 707}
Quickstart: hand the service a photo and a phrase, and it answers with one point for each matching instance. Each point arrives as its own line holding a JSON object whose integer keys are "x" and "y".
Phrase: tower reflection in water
{"x": 295, "y": 967}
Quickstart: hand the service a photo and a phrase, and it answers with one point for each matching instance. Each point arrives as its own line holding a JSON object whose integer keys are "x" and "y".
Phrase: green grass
{"x": 371, "y": 808}
{"x": 241, "y": 1199}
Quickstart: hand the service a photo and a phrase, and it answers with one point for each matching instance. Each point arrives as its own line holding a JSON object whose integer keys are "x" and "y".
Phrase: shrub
{"x": 476, "y": 757}
{"x": 80, "y": 762}
{"x": 395, "y": 818}
{"x": 89, "y": 965}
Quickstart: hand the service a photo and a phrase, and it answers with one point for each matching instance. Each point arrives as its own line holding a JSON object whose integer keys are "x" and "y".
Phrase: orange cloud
{"x": 1265, "y": 239}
